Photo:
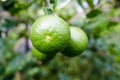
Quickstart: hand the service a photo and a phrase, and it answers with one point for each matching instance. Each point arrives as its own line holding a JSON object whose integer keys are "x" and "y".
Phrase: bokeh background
{"x": 100, "y": 19}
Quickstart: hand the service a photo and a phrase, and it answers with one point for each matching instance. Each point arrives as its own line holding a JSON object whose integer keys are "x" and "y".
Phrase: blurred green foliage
{"x": 100, "y": 19}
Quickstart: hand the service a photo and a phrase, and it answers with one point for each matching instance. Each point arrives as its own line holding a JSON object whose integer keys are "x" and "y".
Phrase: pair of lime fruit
{"x": 50, "y": 34}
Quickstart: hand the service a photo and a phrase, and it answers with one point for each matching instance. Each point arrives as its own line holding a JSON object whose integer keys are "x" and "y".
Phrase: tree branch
{"x": 47, "y": 3}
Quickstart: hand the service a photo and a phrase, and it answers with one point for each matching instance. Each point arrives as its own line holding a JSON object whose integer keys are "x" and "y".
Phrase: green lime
{"x": 42, "y": 57}
{"x": 77, "y": 44}
{"x": 50, "y": 34}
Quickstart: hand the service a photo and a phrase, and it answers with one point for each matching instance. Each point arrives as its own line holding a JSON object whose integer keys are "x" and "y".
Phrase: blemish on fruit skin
{"x": 47, "y": 38}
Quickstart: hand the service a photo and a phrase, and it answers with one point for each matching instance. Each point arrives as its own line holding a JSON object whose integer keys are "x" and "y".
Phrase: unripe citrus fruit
{"x": 50, "y": 34}
{"x": 77, "y": 44}
{"x": 40, "y": 56}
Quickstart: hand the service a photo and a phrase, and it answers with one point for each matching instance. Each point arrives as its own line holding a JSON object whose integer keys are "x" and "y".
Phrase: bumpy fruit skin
{"x": 40, "y": 56}
{"x": 77, "y": 44}
{"x": 50, "y": 34}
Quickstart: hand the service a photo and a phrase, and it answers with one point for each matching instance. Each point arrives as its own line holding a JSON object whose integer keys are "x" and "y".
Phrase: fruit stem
{"x": 47, "y": 9}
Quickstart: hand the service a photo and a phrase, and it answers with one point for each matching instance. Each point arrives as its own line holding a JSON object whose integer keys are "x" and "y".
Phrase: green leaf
{"x": 97, "y": 25}
{"x": 33, "y": 71}
{"x": 90, "y": 3}
{"x": 94, "y": 13}
{"x": 18, "y": 63}
{"x": 8, "y": 4}
{"x": 80, "y": 3}
{"x": 6, "y": 24}
{"x": 3, "y": 52}
{"x": 1, "y": 69}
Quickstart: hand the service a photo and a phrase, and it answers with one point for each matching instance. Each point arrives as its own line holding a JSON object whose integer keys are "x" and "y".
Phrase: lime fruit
{"x": 42, "y": 57}
{"x": 50, "y": 34}
{"x": 77, "y": 44}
